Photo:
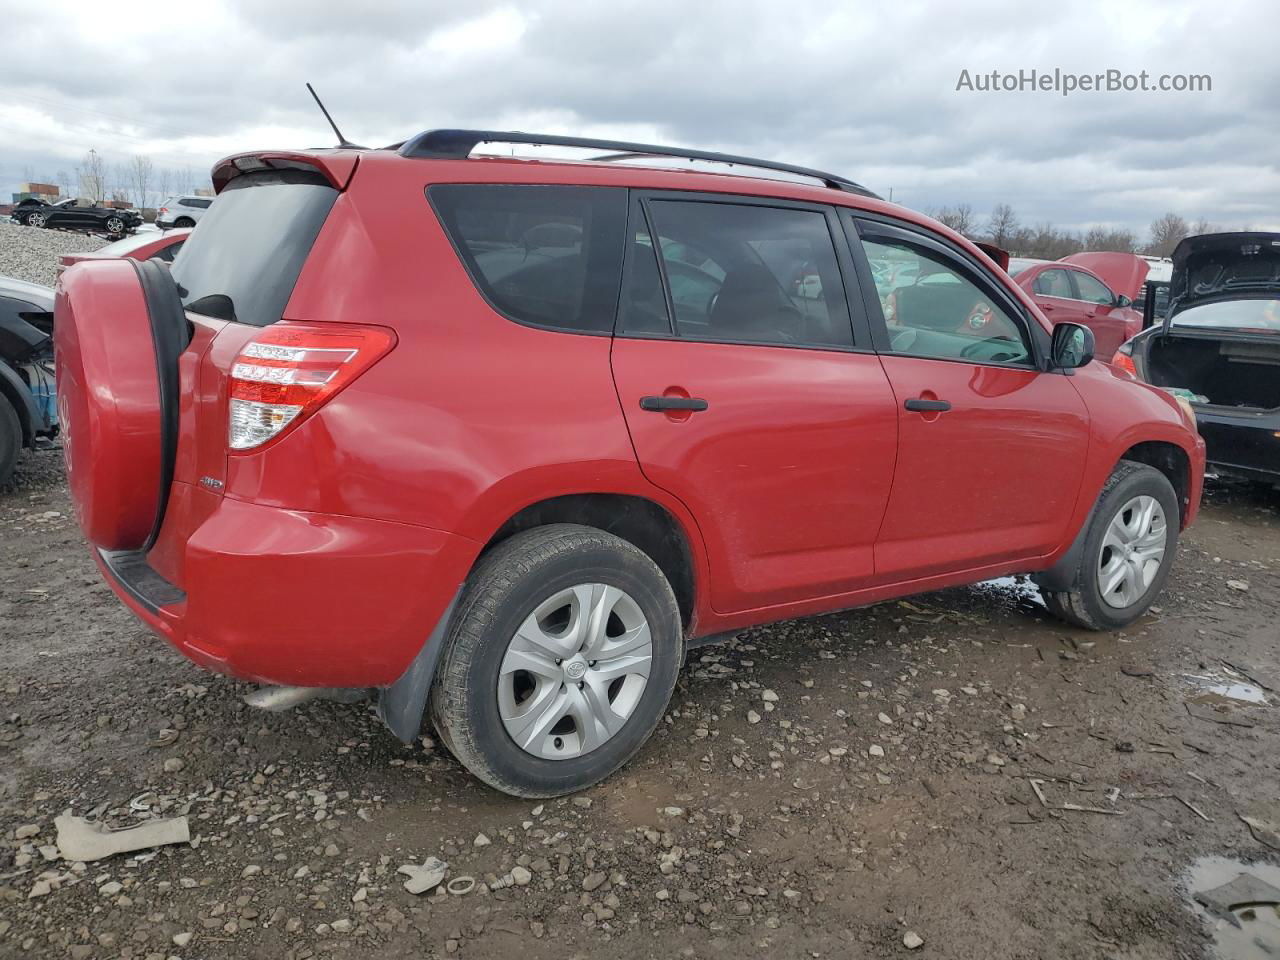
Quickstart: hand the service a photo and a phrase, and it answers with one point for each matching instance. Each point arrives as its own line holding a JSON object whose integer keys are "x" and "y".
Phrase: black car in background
{"x": 76, "y": 215}
{"x": 28, "y": 407}
{"x": 1218, "y": 346}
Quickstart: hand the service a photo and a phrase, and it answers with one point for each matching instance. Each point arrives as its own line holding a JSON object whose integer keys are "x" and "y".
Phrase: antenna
{"x": 342, "y": 141}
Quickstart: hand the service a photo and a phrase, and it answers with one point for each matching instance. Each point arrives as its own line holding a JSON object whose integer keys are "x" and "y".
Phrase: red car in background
{"x": 140, "y": 246}
{"x": 1068, "y": 292}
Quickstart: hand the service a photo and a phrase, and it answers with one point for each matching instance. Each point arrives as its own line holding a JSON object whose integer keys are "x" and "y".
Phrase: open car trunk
{"x": 1226, "y": 370}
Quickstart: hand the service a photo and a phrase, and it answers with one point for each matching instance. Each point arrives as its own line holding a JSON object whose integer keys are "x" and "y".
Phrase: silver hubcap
{"x": 115, "y": 226}
{"x": 35, "y": 220}
{"x": 1132, "y": 552}
{"x": 574, "y": 672}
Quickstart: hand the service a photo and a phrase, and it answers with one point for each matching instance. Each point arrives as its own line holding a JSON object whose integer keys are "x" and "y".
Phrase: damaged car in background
{"x": 1218, "y": 347}
{"x": 28, "y": 404}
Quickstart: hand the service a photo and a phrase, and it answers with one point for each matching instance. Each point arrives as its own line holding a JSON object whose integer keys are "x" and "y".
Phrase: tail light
{"x": 290, "y": 370}
{"x": 1123, "y": 360}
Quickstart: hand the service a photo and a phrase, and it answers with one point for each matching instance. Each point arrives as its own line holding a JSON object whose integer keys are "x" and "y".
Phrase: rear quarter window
{"x": 243, "y": 262}
{"x": 549, "y": 256}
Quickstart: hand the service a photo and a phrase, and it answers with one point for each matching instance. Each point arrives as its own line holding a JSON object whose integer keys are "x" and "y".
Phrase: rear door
{"x": 1056, "y": 296}
{"x": 991, "y": 449}
{"x": 752, "y": 396}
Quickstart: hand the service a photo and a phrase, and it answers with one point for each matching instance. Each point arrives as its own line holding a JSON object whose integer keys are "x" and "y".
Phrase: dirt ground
{"x": 820, "y": 788}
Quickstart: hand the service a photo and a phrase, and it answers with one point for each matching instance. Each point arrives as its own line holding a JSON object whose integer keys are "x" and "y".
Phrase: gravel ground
{"x": 31, "y": 253}
{"x": 955, "y": 775}
{"x": 821, "y": 787}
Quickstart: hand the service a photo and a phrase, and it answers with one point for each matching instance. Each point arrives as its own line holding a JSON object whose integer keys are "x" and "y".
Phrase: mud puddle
{"x": 1241, "y": 905}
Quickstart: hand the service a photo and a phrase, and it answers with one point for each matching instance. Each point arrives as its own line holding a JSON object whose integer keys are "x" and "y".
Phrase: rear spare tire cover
{"x": 117, "y": 401}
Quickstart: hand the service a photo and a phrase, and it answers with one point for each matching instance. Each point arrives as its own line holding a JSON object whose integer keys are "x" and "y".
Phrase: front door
{"x": 748, "y": 396}
{"x": 991, "y": 449}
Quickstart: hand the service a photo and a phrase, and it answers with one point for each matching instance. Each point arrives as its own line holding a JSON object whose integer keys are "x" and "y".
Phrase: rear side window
{"x": 244, "y": 260}
{"x": 738, "y": 273}
{"x": 549, "y": 256}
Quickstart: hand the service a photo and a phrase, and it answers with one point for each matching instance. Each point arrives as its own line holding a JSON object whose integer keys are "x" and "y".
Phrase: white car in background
{"x": 181, "y": 211}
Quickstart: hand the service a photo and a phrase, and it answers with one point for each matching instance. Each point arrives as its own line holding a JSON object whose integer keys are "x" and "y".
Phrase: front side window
{"x": 549, "y": 256}
{"x": 932, "y": 309}
{"x": 1091, "y": 290}
{"x": 739, "y": 273}
{"x": 1054, "y": 283}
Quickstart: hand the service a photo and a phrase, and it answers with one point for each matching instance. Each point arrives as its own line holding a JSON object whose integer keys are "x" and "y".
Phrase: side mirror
{"x": 1072, "y": 346}
{"x": 1122, "y": 301}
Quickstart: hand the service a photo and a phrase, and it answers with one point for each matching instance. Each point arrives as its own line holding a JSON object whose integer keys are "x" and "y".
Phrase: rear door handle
{"x": 660, "y": 404}
{"x": 920, "y": 405}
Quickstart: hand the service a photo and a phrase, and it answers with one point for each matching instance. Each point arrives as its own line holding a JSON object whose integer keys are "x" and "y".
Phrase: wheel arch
{"x": 1171, "y": 460}
{"x": 642, "y": 522}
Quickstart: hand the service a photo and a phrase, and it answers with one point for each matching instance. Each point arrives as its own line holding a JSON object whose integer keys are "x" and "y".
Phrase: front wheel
{"x": 1128, "y": 551}
{"x": 561, "y": 660}
{"x": 34, "y": 220}
{"x": 115, "y": 227}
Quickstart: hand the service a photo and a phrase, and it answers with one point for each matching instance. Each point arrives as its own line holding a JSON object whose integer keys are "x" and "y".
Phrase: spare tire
{"x": 119, "y": 327}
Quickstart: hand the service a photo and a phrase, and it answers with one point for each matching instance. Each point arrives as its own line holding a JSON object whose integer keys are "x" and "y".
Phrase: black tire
{"x": 184, "y": 222}
{"x": 10, "y": 439}
{"x": 1082, "y": 604}
{"x": 115, "y": 227}
{"x": 506, "y": 586}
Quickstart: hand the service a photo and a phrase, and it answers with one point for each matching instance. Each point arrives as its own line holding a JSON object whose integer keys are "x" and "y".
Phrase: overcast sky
{"x": 867, "y": 90}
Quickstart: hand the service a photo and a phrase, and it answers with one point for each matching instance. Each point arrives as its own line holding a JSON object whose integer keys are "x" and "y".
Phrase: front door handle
{"x": 920, "y": 405}
{"x": 662, "y": 404}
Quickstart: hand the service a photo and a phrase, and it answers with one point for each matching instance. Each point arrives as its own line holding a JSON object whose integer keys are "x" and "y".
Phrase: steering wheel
{"x": 904, "y": 339}
{"x": 976, "y": 351}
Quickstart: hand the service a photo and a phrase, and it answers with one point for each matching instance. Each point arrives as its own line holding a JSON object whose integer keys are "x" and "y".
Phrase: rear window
{"x": 244, "y": 260}
{"x": 544, "y": 255}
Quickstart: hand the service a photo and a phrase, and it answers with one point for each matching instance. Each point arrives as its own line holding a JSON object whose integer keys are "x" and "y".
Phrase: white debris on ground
{"x": 31, "y": 253}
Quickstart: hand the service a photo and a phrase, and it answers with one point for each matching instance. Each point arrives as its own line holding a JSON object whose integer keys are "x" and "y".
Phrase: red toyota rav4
{"x": 496, "y": 439}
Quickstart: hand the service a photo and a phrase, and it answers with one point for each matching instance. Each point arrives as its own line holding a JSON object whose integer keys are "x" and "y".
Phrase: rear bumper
{"x": 1240, "y": 442}
{"x": 287, "y": 597}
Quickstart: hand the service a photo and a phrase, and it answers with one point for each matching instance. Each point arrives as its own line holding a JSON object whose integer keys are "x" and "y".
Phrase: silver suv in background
{"x": 181, "y": 211}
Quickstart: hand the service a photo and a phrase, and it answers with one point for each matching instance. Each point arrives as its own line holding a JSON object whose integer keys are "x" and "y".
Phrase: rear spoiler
{"x": 336, "y": 166}
{"x": 1001, "y": 257}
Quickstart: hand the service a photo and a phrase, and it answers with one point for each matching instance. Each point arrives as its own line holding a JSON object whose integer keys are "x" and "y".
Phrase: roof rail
{"x": 458, "y": 144}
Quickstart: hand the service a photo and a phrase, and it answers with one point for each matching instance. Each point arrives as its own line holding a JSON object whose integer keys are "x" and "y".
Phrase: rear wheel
{"x": 562, "y": 658}
{"x": 1128, "y": 551}
{"x": 184, "y": 222}
{"x": 10, "y": 439}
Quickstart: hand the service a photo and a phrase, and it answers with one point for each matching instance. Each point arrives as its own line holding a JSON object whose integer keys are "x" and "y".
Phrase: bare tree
{"x": 1203, "y": 226}
{"x": 1002, "y": 225}
{"x": 63, "y": 180}
{"x": 1117, "y": 241}
{"x": 141, "y": 170}
{"x": 959, "y": 218}
{"x": 163, "y": 182}
{"x": 1166, "y": 233}
{"x": 93, "y": 177}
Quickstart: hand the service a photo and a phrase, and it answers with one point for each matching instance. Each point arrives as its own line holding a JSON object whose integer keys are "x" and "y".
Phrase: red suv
{"x": 496, "y": 439}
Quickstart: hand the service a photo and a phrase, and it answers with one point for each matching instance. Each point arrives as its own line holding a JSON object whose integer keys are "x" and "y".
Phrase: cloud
{"x": 867, "y": 92}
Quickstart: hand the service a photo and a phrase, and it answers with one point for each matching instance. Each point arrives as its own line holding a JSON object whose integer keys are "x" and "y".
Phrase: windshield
{"x": 242, "y": 263}
{"x": 1261, "y": 314}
